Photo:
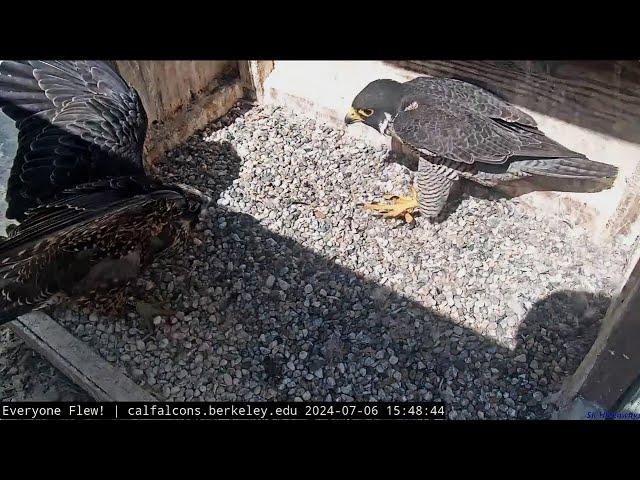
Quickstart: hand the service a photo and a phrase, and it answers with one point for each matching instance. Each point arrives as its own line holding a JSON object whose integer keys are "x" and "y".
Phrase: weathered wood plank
{"x": 206, "y": 108}
{"x": 76, "y": 360}
{"x": 181, "y": 97}
{"x": 253, "y": 74}
{"x": 631, "y": 400}
{"x": 613, "y": 363}
{"x": 246, "y": 79}
{"x": 603, "y": 96}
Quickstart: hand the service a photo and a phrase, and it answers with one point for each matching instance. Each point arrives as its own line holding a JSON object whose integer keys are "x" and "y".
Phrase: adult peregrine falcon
{"x": 460, "y": 130}
{"x": 90, "y": 215}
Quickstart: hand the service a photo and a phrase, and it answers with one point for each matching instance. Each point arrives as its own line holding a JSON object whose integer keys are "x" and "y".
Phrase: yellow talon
{"x": 402, "y": 207}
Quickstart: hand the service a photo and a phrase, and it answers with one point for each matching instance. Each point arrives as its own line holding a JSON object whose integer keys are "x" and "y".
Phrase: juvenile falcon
{"x": 460, "y": 130}
{"x": 90, "y": 216}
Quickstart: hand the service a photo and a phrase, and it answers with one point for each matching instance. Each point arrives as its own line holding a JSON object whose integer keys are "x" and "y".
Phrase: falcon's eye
{"x": 365, "y": 112}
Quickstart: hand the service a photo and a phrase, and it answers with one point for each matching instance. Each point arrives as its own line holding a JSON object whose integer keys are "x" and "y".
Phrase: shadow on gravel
{"x": 287, "y": 299}
{"x": 351, "y": 326}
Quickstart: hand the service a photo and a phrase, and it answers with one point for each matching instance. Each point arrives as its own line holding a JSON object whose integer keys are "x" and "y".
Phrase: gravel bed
{"x": 292, "y": 291}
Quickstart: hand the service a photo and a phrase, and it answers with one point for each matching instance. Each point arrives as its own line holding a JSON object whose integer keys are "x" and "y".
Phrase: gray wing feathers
{"x": 469, "y": 96}
{"x": 468, "y": 137}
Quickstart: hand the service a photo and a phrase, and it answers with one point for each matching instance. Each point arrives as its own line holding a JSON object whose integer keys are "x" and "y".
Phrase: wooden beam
{"x": 77, "y": 360}
{"x": 246, "y": 79}
{"x": 180, "y": 97}
{"x": 253, "y": 73}
{"x": 206, "y": 108}
{"x": 631, "y": 401}
{"x": 612, "y": 365}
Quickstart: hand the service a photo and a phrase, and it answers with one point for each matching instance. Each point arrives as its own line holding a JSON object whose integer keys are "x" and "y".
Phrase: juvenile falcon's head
{"x": 195, "y": 203}
{"x": 376, "y": 104}
{"x": 188, "y": 207}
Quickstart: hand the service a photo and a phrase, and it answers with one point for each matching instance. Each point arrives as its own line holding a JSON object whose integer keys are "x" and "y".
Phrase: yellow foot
{"x": 400, "y": 207}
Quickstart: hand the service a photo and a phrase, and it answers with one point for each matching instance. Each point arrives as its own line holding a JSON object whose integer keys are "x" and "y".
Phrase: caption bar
{"x": 224, "y": 411}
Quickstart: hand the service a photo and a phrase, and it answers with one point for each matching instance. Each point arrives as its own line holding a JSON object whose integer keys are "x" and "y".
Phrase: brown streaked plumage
{"x": 91, "y": 218}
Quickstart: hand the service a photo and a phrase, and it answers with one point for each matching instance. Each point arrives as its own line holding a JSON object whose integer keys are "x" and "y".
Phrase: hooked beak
{"x": 352, "y": 117}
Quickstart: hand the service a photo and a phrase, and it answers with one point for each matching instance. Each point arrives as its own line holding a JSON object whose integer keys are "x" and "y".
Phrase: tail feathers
{"x": 567, "y": 167}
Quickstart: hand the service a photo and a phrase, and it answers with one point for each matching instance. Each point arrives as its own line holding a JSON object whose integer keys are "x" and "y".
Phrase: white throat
{"x": 384, "y": 124}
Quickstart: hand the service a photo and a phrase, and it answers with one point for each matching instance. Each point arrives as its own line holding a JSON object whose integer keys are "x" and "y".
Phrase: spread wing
{"x": 78, "y": 121}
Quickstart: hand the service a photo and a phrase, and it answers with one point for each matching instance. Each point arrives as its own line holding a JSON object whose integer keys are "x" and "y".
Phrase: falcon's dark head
{"x": 376, "y": 104}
